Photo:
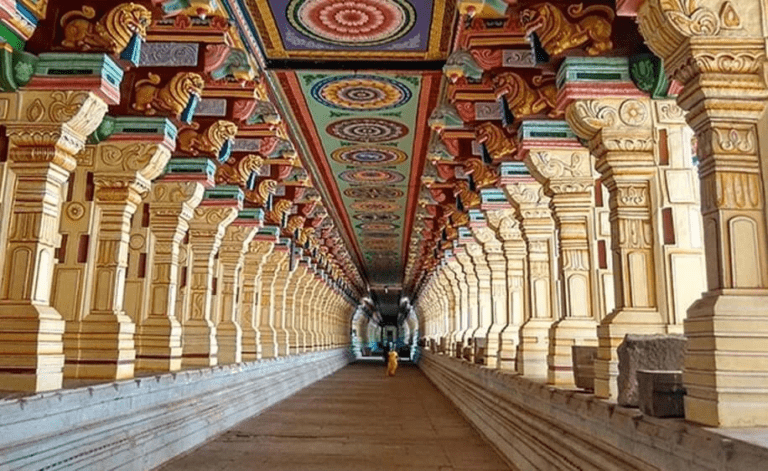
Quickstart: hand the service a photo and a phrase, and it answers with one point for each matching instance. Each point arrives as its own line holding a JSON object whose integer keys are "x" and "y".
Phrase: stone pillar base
{"x": 508, "y": 344}
{"x": 727, "y": 387}
{"x": 229, "y": 337}
{"x": 100, "y": 347}
{"x": 158, "y": 345}
{"x": 268, "y": 343}
{"x": 610, "y": 333}
{"x": 492, "y": 346}
{"x": 281, "y": 338}
{"x": 534, "y": 348}
{"x": 563, "y": 335}
{"x": 199, "y": 344}
{"x": 30, "y": 348}
{"x": 251, "y": 345}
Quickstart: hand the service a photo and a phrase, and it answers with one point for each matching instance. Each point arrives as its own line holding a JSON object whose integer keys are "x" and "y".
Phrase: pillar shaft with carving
{"x": 538, "y": 228}
{"x": 620, "y": 136}
{"x": 251, "y": 299}
{"x": 206, "y": 231}
{"x": 717, "y": 52}
{"x": 566, "y": 174}
{"x": 42, "y": 144}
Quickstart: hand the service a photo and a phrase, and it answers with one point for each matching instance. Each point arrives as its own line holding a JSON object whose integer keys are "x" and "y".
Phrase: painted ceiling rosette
{"x": 353, "y": 29}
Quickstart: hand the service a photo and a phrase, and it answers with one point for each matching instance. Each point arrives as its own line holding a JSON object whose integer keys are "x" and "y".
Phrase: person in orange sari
{"x": 391, "y": 363}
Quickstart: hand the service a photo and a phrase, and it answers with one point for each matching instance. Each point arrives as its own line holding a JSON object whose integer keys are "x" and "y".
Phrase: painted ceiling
{"x": 353, "y": 29}
{"x": 365, "y": 134}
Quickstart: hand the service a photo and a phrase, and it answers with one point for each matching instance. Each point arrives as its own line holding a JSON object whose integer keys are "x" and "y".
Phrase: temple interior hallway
{"x": 354, "y": 419}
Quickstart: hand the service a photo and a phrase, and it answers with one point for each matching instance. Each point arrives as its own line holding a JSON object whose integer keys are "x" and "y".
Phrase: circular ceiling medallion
{"x": 361, "y": 92}
{"x": 376, "y": 217}
{"x": 377, "y": 226}
{"x": 374, "y": 192}
{"x": 365, "y": 176}
{"x": 375, "y": 206}
{"x": 352, "y": 22}
{"x": 367, "y": 130}
{"x": 369, "y": 155}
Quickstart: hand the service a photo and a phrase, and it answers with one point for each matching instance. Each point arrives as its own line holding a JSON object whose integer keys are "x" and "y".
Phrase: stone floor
{"x": 354, "y": 420}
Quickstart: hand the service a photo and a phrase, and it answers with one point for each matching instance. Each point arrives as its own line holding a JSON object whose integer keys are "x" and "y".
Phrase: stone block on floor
{"x": 584, "y": 366}
{"x": 646, "y": 352}
{"x": 661, "y": 393}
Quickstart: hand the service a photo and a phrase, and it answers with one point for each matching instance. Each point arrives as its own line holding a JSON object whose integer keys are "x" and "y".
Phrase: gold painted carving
{"x": 278, "y": 209}
{"x": 484, "y": 177}
{"x": 557, "y": 34}
{"x": 173, "y": 97}
{"x": 239, "y": 173}
{"x": 209, "y": 142}
{"x": 525, "y": 100}
{"x": 112, "y": 32}
{"x": 497, "y": 143}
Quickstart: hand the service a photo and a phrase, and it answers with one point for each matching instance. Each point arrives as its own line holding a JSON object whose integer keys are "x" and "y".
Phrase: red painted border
{"x": 301, "y": 113}
{"x": 430, "y": 88}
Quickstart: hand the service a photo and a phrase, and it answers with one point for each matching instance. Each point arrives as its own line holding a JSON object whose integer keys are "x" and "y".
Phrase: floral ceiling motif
{"x": 365, "y": 136}
{"x": 353, "y": 29}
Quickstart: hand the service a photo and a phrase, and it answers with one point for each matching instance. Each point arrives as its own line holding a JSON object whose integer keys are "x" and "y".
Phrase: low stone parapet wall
{"x": 538, "y": 427}
{"x": 140, "y": 423}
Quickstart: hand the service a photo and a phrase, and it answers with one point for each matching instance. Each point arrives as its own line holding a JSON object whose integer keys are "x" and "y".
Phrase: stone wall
{"x": 140, "y": 423}
{"x": 539, "y": 427}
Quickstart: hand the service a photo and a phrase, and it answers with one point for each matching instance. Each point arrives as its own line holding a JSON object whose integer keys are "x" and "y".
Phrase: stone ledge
{"x": 143, "y": 422}
{"x": 538, "y": 427}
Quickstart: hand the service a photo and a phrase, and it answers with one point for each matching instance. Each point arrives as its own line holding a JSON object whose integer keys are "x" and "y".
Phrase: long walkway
{"x": 354, "y": 420}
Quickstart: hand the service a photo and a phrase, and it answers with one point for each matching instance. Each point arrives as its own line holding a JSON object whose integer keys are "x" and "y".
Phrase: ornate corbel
{"x": 497, "y": 144}
{"x": 461, "y": 65}
{"x": 179, "y": 96}
{"x": 524, "y": 99}
{"x": 120, "y": 31}
{"x": 216, "y": 141}
{"x": 557, "y": 31}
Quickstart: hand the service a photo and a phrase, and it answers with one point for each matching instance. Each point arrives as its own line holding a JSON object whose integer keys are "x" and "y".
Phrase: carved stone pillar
{"x": 43, "y": 139}
{"x": 308, "y": 312}
{"x": 454, "y": 335}
{"x": 497, "y": 264}
{"x": 620, "y": 136}
{"x": 292, "y": 306}
{"x": 251, "y": 300}
{"x": 566, "y": 173}
{"x": 282, "y": 281}
{"x": 272, "y": 267}
{"x": 678, "y": 215}
{"x": 234, "y": 245}
{"x": 158, "y": 335}
{"x": 472, "y": 298}
{"x": 462, "y": 326}
{"x": 206, "y": 231}
{"x": 100, "y": 345}
{"x": 484, "y": 300}
{"x": 538, "y": 229}
{"x": 507, "y": 227}
{"x": 717, "y": 52}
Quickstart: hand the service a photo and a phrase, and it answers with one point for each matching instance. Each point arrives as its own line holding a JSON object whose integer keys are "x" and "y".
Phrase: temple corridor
{"x": 557, "y": 209}
{"x": 354, "y": 419}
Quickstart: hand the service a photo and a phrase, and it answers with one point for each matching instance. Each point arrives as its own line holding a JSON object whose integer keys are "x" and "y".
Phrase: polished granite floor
{"x": 354, "y": 420}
